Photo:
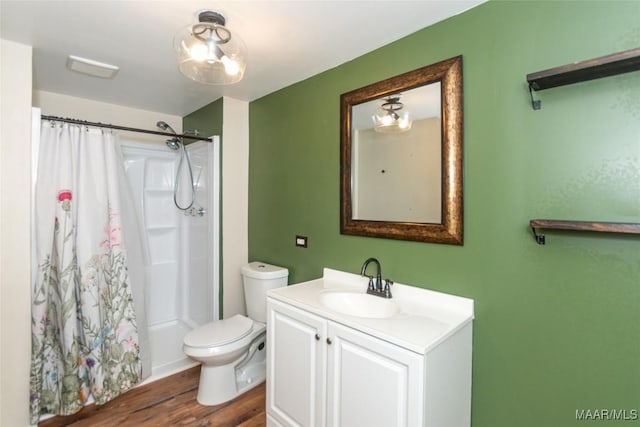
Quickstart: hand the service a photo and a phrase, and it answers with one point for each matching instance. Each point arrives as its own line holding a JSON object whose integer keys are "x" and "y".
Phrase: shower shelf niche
{"x": 161, "y": 228}
{"x": 159, "y": 191}
{"x": 602, "y": 227}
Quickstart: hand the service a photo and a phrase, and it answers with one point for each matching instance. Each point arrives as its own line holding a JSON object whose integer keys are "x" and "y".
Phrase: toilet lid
{"x": 220, "y": 332}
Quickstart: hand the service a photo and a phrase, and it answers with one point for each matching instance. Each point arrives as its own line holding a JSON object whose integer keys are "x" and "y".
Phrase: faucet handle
{"x": 371, "y": 285}
{"x": 387, "y": 288}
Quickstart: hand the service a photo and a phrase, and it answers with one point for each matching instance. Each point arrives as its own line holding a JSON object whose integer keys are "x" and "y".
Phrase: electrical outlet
{"x": 301, "y": 241}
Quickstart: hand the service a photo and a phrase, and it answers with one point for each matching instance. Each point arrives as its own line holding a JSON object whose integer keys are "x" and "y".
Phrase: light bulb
{"x": 198, "y": 52}
{"x": 387, "y": 120}
{"x": 230, "y": 66}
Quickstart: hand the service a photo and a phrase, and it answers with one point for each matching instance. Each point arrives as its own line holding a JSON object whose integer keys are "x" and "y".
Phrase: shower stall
{"x": 180, "y": 246}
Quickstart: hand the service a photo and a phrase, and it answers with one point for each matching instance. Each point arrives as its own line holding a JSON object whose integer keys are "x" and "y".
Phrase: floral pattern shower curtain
{"x": 84, "y": 334}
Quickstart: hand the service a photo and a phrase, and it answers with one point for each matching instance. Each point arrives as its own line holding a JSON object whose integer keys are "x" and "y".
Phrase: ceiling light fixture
{"x": 208, "y": 53}
{"x": 388, "y": 118}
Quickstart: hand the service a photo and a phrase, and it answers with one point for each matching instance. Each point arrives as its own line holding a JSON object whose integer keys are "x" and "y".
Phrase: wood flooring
{"x": 170, "y": 401}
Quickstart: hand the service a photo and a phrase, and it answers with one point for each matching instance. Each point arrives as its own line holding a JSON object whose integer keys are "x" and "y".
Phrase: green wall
{"x": 208, "y": 119}
{"x": 557, "y": 327}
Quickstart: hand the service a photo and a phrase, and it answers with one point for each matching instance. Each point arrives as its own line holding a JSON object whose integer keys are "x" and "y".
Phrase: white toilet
{"x": 232, "y": 351}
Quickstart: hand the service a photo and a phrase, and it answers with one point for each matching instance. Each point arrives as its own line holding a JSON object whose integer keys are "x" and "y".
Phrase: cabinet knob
{"x": 317, "y": 337}
{"x": 329, "y": 341}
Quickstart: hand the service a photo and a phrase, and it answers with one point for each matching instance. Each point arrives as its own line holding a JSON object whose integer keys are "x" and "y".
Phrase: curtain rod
{"x": 110, "y": 126}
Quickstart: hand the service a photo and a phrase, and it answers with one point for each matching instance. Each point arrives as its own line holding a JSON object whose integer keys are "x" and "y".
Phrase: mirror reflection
{"x": 401, "y": 156}
{"x": 396, "y": 154}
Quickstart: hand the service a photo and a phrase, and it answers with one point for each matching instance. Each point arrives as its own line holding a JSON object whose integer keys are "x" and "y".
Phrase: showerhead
{"x": 173, "y": 143}
{"x": 165, "y": 126}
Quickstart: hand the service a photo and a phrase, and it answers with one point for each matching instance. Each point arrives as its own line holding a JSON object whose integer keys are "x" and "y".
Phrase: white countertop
{"x": 425, "y": 319}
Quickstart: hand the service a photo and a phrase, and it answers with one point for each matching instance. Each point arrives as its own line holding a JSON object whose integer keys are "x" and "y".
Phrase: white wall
{"x": 235, "y": 204}
{"x": 401, "y": 180}
{"x": 15, "y": 235}
{"x": 55, "y": 104}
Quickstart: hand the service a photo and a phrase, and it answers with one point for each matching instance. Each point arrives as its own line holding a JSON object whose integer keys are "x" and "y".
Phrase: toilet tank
{"x": 258, "y": 278}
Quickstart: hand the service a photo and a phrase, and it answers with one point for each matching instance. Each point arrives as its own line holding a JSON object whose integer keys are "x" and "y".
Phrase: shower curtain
{"x": 84, "y": 333}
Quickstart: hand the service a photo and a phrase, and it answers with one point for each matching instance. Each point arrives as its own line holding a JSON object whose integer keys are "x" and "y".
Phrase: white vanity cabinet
{"x": 371, "y": 382}
{"x": 296, "y": 366}
{"x": 324, "y": 373}
{"x": 337, "y": 357}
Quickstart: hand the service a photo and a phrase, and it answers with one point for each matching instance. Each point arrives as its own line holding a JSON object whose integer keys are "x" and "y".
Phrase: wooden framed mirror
{"x": 397, "y": 183}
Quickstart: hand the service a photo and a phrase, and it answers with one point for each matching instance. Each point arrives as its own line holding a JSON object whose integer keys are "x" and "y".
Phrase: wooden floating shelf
{"x": 602, "y": 227}
{"x": 605, "y": 66}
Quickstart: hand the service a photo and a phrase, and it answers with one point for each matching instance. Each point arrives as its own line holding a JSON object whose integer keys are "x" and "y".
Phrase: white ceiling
{"x": 288, "y": 41}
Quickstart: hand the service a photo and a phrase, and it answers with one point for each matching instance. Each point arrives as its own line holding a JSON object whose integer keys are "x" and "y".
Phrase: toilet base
{"x": 221, "y": 383}
{"x": 217, "y": 384}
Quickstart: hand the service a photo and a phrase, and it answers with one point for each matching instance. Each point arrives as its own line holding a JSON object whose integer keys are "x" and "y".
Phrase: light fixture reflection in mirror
{"x": 390, "y": 117}
{"x": 405, "y": 185}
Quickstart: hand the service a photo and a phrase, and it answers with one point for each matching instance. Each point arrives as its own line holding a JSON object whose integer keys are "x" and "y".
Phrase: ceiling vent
{"x": 91, "y": 67}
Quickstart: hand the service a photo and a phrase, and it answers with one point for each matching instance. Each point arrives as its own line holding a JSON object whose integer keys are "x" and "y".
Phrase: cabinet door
{"x": 296, "y": 377}
{"x": 372, "y": 382}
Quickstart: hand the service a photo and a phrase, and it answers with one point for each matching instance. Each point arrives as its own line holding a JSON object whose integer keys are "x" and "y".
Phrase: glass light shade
{"x": 208, "y": 53}
{"x": 388, "y": 121}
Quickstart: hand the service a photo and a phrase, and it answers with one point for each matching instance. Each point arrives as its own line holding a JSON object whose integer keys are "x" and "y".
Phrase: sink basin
{"x": 359, "y": 304}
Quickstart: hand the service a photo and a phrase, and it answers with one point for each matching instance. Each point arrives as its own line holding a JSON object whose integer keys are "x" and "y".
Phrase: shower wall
{"x": 181, "y": 292}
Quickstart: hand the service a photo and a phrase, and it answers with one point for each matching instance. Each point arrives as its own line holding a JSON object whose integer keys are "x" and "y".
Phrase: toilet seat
{"x": 232, "y": 349}
{"x": 220, "y": 332}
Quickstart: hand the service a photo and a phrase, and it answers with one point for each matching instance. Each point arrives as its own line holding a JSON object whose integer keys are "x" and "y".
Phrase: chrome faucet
{"x": 376, "y": 289}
